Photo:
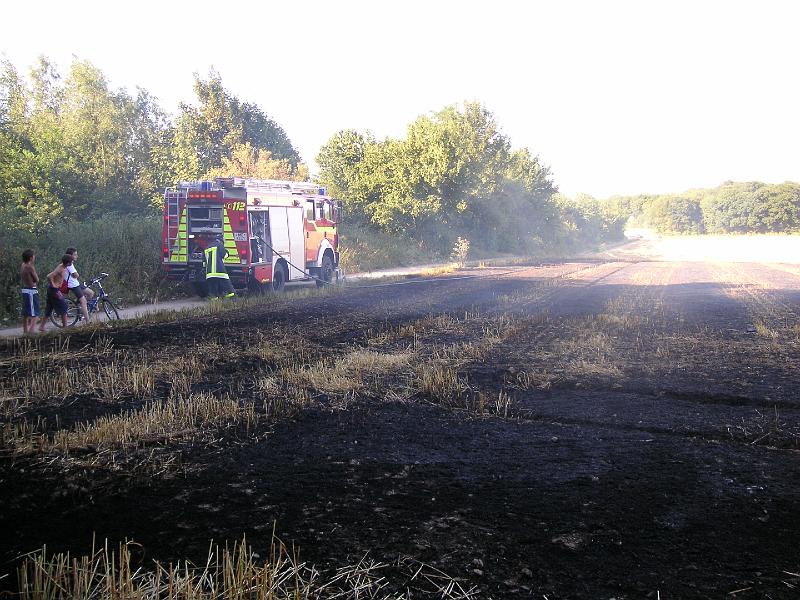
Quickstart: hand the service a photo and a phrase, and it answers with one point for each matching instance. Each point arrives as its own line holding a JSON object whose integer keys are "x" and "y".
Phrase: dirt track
{"x": 616, "y": 429}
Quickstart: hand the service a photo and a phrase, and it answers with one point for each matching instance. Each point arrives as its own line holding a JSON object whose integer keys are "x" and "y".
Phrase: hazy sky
{"x": 617, "y": 97}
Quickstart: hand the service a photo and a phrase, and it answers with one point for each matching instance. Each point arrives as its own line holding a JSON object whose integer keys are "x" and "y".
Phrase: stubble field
{"x": 614, "y": 427}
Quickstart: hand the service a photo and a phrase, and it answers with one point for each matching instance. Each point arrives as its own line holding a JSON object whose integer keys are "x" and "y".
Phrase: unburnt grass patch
{"x": 229, "y": 572}
{"x": 349, "y": 373}
{"x": 766, "y": 428}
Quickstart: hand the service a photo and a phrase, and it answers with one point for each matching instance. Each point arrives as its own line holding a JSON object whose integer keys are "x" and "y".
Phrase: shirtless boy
{"x": 30, "y": 294}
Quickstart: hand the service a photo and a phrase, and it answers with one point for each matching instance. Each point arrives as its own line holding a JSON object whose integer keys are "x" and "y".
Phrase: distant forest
{"x": 749, "y": 207}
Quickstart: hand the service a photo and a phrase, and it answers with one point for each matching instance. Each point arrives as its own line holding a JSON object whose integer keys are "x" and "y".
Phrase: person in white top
{"x": 82, "y": 293}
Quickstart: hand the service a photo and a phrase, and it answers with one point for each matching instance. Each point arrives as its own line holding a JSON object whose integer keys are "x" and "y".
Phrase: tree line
{"x": 733, "y": 207}
{"x": 82, "y": 162}
{"x": 455, "y": 174}
{"x": 72, "y": 148}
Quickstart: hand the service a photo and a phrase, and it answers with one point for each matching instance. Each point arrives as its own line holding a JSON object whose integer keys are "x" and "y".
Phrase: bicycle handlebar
{"x": 96, "y": 279}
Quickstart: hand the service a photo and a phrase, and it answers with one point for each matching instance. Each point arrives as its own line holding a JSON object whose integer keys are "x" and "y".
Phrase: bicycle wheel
{"x": 73, "y": 314}
{"x": 108, "y": 309}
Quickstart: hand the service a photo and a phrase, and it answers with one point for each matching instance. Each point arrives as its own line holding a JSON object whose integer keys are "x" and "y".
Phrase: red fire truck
{"x": 275, "y": 232}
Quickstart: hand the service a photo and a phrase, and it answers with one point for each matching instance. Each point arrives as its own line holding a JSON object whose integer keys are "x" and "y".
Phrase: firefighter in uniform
{"x": 217, "y": 280}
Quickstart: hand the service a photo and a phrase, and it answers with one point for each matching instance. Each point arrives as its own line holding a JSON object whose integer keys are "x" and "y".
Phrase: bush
{"x": 460, "y": 252}
{"x": 672, "y": 214}
{"x": 584, "y": 222}
{"x": 365, "y": 248}
{"x": 127, "y": 248}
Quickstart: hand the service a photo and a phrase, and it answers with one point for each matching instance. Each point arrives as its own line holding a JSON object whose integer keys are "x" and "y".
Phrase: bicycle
{"x": 101, "y": 304}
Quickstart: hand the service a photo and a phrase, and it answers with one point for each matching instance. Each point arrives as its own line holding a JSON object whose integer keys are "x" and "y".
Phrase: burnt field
{"x": 571, "y": 430}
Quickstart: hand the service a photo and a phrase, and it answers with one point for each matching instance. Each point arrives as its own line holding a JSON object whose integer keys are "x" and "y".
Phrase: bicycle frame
{"x": 91, "y": 306}
{"x": 100, "y": 299}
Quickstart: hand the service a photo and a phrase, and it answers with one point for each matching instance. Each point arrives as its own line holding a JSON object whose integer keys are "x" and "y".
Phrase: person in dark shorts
{"x": 82, "y": 293}
{"x": 55, "y": 297}
{"x": 29, "y": 280}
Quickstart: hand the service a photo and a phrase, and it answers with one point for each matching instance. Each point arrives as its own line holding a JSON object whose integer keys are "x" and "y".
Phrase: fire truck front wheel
{"x": 279, "y": 277}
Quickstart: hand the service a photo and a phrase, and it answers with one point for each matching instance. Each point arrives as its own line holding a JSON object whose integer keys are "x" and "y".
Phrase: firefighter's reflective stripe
{"x": 178, "y": 250}
{"x": 230, "y": 242}
{"x": 211, "y": 264}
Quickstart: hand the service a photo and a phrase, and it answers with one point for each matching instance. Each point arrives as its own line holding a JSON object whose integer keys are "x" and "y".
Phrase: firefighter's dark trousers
{"x": 219, "y": 287}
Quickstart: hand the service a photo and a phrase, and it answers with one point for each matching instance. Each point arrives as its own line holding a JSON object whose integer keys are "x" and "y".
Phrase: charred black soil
{"x": 581, "y": 430}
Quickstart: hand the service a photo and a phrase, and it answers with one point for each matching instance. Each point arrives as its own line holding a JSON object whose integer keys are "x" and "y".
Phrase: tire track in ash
{"x": 719, "y": 411}
{"x": 769, "y": 287}
{"x": 543, "y": 300}
{"x": 478, "y": 300}
{"x": 793, "y": 271}
{"x": 507, "y": 352}
{"x": 701, "y": 296}
{"x": 636, "y": 300}
{"x": 722, "y": 416}
{"x": 772, "y": 339}
{"x": 484, "y": 290}
{"x": 385, "y": 308}
{"x": 763, "y": 300}
{"x": 741, "y": 365}
{"x": 724, "y": 419}
{"x": 565, "y": 293}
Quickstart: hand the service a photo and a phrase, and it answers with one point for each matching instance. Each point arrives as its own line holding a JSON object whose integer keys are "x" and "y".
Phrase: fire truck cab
{"x": 274, "y": 231}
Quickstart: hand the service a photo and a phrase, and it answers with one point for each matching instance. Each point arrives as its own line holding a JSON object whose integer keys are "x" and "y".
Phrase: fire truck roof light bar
{"x": 194, "y": 188}
{"x": 294, "y": 187}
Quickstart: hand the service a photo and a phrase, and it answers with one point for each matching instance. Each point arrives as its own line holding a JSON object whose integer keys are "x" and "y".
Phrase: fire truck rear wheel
{"x": 325, "y": 271}
{"x": 280, "y": 277}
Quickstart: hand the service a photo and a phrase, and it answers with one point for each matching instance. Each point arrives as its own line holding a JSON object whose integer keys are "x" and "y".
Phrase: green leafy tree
{"x": 246, "y": 161}
{"x": 584, "y": 220}
{"x": 32, "y": 159}
{"x": 777, "y": 209}
{"x": 729, "y": 208}
{"x": 263, "y": 133}
{"x": 340, "y": 162}
{"x": 150, "y": 155}
{"x": 210, "y": 131}
{"x": 529, "y": 190}
{"x": 453, "y": 173}
{"x": 733, "y": 207}
{"x": 675, "y": 214}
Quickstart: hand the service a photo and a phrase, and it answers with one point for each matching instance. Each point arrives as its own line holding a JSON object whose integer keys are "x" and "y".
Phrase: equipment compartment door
{"x": 260, "y": 242}
{"x": 278, "y": 231}
{"x": 297, "y": 242}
